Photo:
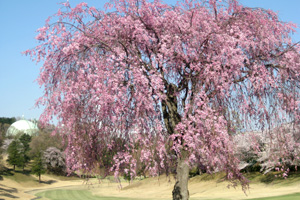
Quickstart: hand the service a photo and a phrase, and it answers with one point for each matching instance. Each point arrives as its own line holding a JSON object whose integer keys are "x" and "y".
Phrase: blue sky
{"x": 19, "y": 20}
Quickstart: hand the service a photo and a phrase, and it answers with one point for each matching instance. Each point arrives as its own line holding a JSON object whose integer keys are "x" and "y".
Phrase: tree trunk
{"x": 14, "y": 168}
{"x": 39, "y": 178}
{"x": 180, "y": 191}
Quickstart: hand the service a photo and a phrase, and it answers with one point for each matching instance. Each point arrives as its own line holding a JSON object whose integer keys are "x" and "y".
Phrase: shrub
{"x": 268, "y": 178}
{"x": 194, "y": 172}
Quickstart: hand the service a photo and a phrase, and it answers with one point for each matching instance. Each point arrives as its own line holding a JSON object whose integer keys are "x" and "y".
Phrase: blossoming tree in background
{"x": 54, "y": 160}
{"x": 165, "y": 79}
{"x": 275, "y": 149}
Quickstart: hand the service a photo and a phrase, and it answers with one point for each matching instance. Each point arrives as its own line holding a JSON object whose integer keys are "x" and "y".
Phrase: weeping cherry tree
{"x": 165, "y": 79}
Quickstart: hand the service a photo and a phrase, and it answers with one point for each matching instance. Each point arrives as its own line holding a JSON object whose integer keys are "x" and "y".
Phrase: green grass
{"x": 74, "y": 195}
{"x": 257, "y": 177}
{"x": 87, "y": 195}
{"x": 19, "y": 176}
{"x": 295, "y": 196}
{"x": 64, "y": 178}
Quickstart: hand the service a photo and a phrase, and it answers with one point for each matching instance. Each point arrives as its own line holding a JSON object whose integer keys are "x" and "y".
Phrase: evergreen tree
{"x": 38, "y": 166}
{"x": 7, "y": 120}
{"x": 14, "y": 157}
{"x": 25, "y": 139}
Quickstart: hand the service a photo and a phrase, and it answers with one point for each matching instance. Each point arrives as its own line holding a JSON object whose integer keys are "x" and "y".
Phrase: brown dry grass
{"x": 200, "y": 187}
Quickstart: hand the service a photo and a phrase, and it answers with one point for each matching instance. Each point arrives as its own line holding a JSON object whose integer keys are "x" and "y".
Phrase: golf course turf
{"x": 87, "y": 195}
{"x": 74, "y": 195}
{"x": 295, "y": 196}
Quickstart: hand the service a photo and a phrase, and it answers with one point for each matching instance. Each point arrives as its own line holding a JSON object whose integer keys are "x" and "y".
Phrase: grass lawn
{"x": 87, "y": 195}
{"x": 18, "y": 176}
{"x": 74, "y": 195}
{"x": 295, "y": 196}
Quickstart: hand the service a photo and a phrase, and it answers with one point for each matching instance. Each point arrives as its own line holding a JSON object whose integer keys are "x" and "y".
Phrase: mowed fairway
{"x": 74, "y": 195}
{"x": 284, "y": 197}
{"x": 87, "y": 195}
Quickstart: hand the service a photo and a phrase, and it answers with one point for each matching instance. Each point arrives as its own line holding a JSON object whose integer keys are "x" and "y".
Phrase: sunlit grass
{"x": 283, "y": 197}
{"x": 76, "y": 195}
{"x": 85, "y": 194}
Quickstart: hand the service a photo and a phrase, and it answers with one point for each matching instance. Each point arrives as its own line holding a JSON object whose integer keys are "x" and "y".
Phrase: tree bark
{"x": 171, "y": 119}
{"x": 180, "y": 191}
{"x": 39, "y": 178}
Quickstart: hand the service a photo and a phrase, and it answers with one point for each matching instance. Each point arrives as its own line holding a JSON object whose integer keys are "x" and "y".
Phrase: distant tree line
{"x": 7, "y": 120}
{"x": 38, "y": 153}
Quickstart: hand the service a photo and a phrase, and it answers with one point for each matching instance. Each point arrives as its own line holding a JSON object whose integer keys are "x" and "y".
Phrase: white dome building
{"x": 22, "y": 126}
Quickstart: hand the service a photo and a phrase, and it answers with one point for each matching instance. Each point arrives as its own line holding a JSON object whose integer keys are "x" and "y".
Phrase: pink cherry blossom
{"x": 162, "y": 85}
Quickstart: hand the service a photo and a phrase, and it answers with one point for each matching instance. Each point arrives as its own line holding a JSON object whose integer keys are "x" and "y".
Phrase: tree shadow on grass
{"x": 7, "y": 192}
{"x": 49, "y": 182}
{"x": 25, "y": 172}
{"x": 7, "y": 172}
{"x": 11, "y": 172}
